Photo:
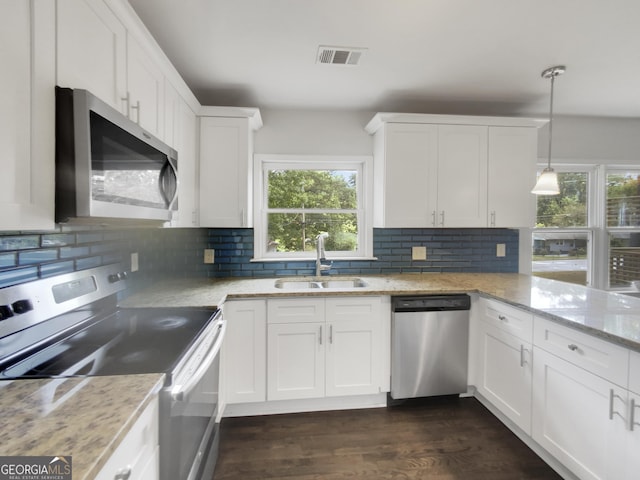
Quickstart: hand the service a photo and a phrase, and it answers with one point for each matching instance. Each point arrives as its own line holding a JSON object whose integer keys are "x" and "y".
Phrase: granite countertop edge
{"x": 575, "y": 306}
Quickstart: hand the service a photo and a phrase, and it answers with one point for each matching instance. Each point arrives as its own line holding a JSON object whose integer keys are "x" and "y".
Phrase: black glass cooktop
{"x": 130, "y": 341}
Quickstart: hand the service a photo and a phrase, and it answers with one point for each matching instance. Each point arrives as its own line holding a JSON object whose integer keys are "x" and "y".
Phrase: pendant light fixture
{"x": 547, "y": 183}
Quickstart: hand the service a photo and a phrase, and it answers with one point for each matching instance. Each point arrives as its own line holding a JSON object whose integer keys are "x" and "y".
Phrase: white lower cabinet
{"x": 505, "y": 374}
{"x": 295, "y": 361}
{"x": 578, "y": 417}
{"x": 503, "y": 358}
{"x": 244, "y": 351}
{"x": 325, "y": 347}
{"x": 136, "y": 458}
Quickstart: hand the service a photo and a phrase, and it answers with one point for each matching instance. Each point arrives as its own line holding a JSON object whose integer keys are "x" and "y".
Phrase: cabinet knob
{"x": 573, "y": 347}
{"x": 123, "y": 474}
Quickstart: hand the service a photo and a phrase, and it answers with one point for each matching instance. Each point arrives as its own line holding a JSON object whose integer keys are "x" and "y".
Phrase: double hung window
{"x": 622, "y": 215}
{"x": 562, "y": 238}
{"x": 302, "y": 197}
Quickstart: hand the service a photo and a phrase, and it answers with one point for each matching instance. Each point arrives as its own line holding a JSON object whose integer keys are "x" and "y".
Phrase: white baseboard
{"x": 377, "y": 400}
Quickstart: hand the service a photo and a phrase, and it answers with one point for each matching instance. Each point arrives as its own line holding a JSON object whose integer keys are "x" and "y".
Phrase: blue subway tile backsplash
{"x": 178, "y": 253}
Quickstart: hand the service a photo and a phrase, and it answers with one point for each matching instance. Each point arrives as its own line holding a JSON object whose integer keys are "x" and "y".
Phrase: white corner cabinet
{"x": 298, "y": 348}
{"x": 27, "y": 54}
{"x": 136, "y": 457}
{"x": 453, "y": 171}
{"x": 226, "y": 165}
{"x": 572, "y": 396}
{"x": 98, "y": 45}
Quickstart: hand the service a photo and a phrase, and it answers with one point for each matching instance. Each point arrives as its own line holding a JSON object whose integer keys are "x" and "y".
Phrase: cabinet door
{"x": 180, "y": 132}
{"x": 145, "y": 84}
{"x": 405, "y": 175}
{"x": 91, "y": 50}
{"x": 138, "y": 451}
{"x": 505, "y": 373}
{"x": 244, "y": 351}
{"x": 295, "y": 360}
{"x": 27, "y": 113}
{"x": 512, "y": 171}
{"x": 578, "y": 418}
{"x": 632, "y": 460}
{"x": 355, "y": 354}
{"x": 224, "y": 172}
{"x": 462, "y": 176}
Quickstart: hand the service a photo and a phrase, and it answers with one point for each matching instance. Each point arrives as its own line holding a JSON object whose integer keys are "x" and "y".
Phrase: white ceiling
{"x": 431, "y": 56}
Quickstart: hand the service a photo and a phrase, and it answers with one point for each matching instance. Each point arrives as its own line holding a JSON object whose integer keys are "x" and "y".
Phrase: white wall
{"x": 314, "y": 133}
{"x": 592, "y": 140}
{"x": 575, "y": 139}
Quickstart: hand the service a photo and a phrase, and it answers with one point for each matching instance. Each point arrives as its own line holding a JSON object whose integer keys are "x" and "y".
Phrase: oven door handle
{"x": 180, "y": 391}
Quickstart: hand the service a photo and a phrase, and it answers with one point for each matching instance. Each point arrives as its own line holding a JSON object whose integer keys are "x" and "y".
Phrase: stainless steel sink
{"x": 320, "y": 283}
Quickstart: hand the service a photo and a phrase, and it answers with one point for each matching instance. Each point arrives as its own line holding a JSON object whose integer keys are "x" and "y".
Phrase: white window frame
{"x": 363, "y": 164}
{"x": 606, "y": 230}
{"x": 593, "y": 218}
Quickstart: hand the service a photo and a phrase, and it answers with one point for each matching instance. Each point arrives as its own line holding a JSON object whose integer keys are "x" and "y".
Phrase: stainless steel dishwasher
{"x": 429, "y": 345}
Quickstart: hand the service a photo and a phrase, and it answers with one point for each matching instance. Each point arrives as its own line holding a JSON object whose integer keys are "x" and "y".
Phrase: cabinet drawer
{"x": 512, "y": 320}
{"x": 634, "y": 372}
{"x": 353, "y": 308}
{"x": 138, "y": 451}
{"x": 586, "y": 351}
{"x": 295, "y": 310}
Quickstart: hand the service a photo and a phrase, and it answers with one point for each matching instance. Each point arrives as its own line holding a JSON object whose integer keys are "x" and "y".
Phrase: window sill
{"x": 297, "y": 259}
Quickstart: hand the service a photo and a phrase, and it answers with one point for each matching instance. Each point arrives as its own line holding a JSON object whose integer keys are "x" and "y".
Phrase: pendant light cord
{"x": 553, "y": 77}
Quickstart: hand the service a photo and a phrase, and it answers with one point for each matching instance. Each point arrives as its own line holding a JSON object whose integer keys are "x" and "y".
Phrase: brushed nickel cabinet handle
{"x": 320, "y": 335}
{"x": 522, "y": 362}
{"x": 612, "y": 397}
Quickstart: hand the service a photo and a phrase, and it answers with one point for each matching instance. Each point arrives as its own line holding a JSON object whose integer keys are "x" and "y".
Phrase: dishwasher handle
{"x": 431, "y": 303}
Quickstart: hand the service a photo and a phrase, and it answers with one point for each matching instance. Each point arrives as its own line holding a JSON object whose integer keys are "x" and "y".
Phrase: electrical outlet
{"x": 501, "y": 250}
{"x": 134, "y": 262}
{"x": 209, "y": 255}
{"x": 418, "y": 253}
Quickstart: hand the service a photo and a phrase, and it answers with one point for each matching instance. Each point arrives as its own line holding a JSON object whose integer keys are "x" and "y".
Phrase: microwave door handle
{"x": 179, "y": 392}
{"x": 168, "y": 184}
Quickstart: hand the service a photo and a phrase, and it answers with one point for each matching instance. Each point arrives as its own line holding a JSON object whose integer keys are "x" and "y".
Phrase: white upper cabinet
{"x": 92, "y": 50}
{"x": 512, "y": 173}
{"x": 445, "y": 171}
{"x": 180, "y": 128}
{"x": 145, "y": 89}
{"x": 462, "y": 176}
{"x": 405, "y": 172}
{"x": 226, "y": 152}
{"x": 27, "y": 110}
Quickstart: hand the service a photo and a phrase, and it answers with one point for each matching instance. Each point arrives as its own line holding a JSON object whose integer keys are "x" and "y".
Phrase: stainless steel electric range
{"x": 71, "y": 326}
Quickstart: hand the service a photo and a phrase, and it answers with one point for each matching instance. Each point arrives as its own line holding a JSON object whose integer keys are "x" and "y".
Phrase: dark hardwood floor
{"x": 440, "y": 438}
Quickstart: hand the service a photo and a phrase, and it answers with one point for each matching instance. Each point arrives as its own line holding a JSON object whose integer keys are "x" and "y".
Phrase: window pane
{"x": 624, "y": 258}
{"x": 569, "y": 208}
{"x": 296, "y": 232}
{"x": 561, "y": 256}
{"x": 623, "y": 199}
{"x": 325, "y": 189}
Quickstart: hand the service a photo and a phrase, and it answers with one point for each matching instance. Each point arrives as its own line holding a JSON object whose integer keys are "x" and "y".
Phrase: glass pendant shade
{"x": 547, "y": 183}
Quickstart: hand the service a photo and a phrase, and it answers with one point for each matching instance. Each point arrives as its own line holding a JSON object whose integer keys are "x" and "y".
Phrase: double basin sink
{"x": 302, "y": 283}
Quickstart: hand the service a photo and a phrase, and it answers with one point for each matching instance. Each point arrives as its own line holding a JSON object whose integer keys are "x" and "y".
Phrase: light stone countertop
{"x": 85, "y": 418}
{"x": 614, "y": 317}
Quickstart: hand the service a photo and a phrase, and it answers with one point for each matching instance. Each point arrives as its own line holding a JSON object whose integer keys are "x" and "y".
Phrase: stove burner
{"x": 136, "y": 357}
{"x": 169, "y": 323}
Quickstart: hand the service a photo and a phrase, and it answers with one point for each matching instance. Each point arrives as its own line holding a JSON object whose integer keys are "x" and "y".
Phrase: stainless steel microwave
{"x": 107, "y": 166}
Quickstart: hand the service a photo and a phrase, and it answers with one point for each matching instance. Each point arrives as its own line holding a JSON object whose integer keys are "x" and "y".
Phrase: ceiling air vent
{"x": 339, "y": 55}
